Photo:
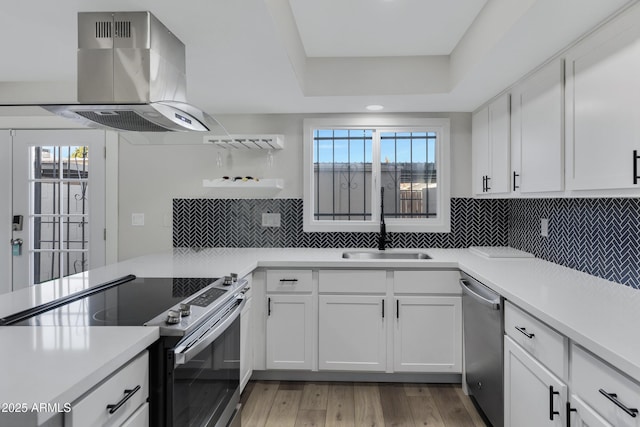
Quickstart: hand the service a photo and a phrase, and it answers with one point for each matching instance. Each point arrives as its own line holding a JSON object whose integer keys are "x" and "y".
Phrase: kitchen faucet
{"x": 382, "y": 237}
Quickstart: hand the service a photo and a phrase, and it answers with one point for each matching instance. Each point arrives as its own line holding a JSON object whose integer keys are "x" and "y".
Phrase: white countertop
{"x": 600, "y": 315}
{"x": 56, "y": 365}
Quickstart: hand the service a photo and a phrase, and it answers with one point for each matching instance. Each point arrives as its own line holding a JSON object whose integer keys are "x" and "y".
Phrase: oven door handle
{"x": 182, "y": 357}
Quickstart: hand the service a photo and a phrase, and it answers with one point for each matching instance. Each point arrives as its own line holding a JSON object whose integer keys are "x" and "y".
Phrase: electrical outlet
{"x": 544, "y": 227}
{"x": 270, "y": 219}
{"x": 137, "y": 219}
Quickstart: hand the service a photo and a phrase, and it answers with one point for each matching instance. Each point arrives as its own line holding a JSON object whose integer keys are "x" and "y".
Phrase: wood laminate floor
{"x": 329, "y": 404}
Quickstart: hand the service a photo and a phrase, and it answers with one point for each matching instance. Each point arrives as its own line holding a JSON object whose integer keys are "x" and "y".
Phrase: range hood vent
{"x": 131, "y": 76}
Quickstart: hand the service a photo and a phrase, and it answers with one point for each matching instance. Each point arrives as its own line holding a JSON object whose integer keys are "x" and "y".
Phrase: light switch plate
{"x": 270, "y": 219}
{"x": 137, "y": 219}
{"x": 544, "y": 227}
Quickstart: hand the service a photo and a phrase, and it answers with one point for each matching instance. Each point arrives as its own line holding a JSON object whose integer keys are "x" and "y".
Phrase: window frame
{"x": 441, "y": 126}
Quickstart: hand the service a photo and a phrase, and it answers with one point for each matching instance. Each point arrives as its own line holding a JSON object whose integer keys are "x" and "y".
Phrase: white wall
{"x": 150, "y": 176}
{"x": 5, "y": 210}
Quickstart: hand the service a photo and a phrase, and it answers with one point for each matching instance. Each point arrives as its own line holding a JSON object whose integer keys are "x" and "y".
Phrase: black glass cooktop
{"x": 130, "y": 304}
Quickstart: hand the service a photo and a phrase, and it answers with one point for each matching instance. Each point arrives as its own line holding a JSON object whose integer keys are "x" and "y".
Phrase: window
{"x": 348, "y": 164}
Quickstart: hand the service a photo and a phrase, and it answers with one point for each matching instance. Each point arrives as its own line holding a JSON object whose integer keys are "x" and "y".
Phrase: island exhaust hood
{"x": 131, "y": 76}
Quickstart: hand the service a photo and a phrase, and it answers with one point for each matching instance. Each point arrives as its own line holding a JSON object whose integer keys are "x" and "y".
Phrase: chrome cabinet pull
{"x": 552, "y": 393}
{"x": 524, "y": 332}
{"x": 632, "y": 412}
{"x": 127, "y": 395}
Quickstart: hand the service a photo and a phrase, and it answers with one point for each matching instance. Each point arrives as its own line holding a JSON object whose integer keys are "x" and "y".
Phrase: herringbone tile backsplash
{"x": 597, "y": 236}
{"x": 237, "y": 223}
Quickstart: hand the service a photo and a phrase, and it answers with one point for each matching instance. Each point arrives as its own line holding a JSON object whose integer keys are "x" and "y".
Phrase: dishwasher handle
{"x": 475, "y": 292}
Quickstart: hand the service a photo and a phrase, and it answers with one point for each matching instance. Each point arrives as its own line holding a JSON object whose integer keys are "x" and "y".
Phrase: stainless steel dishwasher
{"x": 482, "y": 312}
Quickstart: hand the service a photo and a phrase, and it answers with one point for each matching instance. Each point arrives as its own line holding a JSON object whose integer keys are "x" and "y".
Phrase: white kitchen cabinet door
{"x": 353, "y": 332}
{"x": 480, "y": 149}
{"x": 289, "y": 331}
{"x": 500, "y": 142}
{"x": 602, "y": 95}
{"x": 538, "y": 107}
{"x": 491, "y": 140}
{"x": 528, "y": 388}
{"x": 246, "y": 347}
{"x": 428, "y": 334}
{"x": 584, "y": 415}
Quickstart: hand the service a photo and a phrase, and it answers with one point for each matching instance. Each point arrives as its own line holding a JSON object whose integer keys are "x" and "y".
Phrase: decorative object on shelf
{"x": 246, "y": 142}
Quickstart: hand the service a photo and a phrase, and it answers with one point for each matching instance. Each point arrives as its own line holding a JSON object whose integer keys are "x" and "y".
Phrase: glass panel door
{"x": 58, "y": 187}
{"x": 59, "y": 184}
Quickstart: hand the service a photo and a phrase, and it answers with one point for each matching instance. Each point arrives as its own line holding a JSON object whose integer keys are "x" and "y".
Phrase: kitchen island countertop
{"x": 53, "y": 366}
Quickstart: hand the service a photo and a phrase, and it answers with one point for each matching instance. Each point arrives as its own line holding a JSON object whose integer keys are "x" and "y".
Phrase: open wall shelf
{"x": 228, "y": 189}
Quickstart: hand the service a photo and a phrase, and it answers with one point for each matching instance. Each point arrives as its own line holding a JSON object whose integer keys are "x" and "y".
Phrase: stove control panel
{"x": 206, "y": 298}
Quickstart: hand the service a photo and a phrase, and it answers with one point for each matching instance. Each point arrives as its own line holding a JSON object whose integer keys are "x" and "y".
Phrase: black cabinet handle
{"x": 635, "y": 166}
{"x": 127, "y": 395}
{"x": 488, "y": 178}
{"x": 397, "y": 309}
{"x": 569, "y": 411}
{"x": 484, "y": 183}
{"x": 268, "y": 306}
{"x": 552, "y": 393}
{"x": 514, "y": 180}
{"x": 383, "y": 309}
{"x": 524, "y": 331}
{"x": 632, "y": 412}
{"x": 288, "y": 280}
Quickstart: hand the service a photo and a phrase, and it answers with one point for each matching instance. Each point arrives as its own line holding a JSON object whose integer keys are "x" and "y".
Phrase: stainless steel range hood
{"x": 131, "y": 76}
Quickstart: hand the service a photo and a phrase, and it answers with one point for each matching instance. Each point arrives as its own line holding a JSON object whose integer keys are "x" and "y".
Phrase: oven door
{"x": 205, "y": 390}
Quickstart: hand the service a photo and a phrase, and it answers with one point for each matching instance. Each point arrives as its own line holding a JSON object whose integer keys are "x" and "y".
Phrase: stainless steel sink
{"x": 384, "y": 255}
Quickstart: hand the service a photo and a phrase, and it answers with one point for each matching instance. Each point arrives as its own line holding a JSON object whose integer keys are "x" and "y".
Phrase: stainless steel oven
{"x": 195, "y": 365}
{"x": 204, "y": 372}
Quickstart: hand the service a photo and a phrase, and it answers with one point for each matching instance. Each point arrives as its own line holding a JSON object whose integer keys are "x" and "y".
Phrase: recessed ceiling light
{"x": 374, "y": 107}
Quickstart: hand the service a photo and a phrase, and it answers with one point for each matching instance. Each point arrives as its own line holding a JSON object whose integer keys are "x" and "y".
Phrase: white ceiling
{"x": 353, "y": 28}
{"x": 274, "y": 56}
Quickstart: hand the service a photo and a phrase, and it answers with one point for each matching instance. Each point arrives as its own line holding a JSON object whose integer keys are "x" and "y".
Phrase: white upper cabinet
{"x": 603, "y": 111}
{"x": 491, "y": 148}
{"x": 537, "y": 132}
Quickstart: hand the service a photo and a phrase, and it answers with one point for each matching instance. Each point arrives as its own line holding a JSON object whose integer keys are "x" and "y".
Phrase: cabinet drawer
{"x": 353, "y": 281}
{"x": 545, "y": 344}
{"x": 426, "y": 282}
{"x": 140, "y": 418}
{"x": 590, "y": 375}
{"x": 289, "y": 281}
{"x": 92, "y": 409}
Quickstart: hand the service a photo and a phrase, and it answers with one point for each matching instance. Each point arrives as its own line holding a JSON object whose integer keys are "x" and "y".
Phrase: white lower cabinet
{"x": 290, "y": 324}
{"x": 582, "y": 415}
{"x": 117, "y": 400}
{"x": 246, "y": 342}
{"x": 609, "y": 393}
{"x": 533, "y": 396}
{"x": 428, "y": 334}
{"x": 353, "y": 332}
{"x": 140, "y": 418}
